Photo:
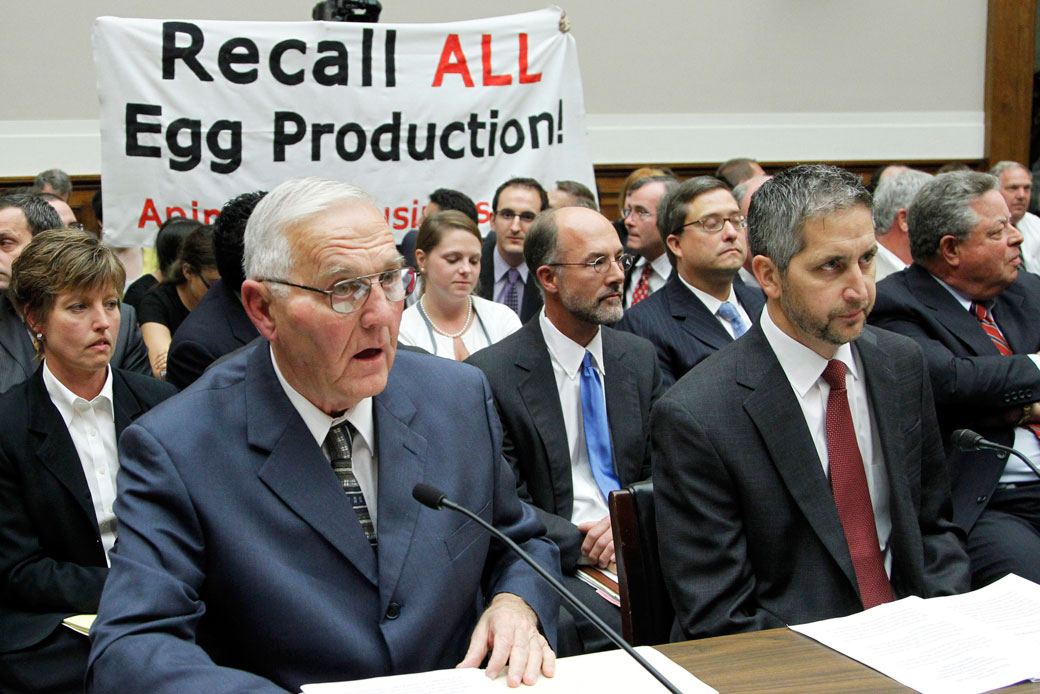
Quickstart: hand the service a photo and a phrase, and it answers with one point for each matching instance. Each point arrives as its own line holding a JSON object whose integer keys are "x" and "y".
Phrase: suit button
{"x": 981, "y": 499}
{"x": 393, "y": 611}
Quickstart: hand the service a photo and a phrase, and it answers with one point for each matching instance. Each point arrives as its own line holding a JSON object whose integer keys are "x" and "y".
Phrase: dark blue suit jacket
{"x": 241, "y": 565}
{"x": 680, "y": 326}
{"x": 531, "y": 299}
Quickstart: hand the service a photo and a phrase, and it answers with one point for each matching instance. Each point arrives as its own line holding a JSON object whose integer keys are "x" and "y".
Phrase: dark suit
{"x": 748, "y": 531}
{"x": 18, "y": 360}
{"x": 217, "y": 326}
{"x": 241, "y": 564}
{"x": 975, "y": 386}
{"x": 530, "y": 300}
{"x": 52, "y": 563}
{"x": 680, "y": 326}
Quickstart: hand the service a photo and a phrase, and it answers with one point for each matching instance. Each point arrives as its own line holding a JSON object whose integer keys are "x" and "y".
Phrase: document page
{"x": 964, "y": 644}
{"x": 609, "y": 671}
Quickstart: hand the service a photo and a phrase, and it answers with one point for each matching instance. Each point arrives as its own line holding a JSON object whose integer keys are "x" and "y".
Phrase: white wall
{"x": 665, "y": 81}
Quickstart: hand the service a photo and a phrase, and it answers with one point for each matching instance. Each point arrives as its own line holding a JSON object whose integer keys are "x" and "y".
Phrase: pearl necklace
{"x": 469, "y": 319}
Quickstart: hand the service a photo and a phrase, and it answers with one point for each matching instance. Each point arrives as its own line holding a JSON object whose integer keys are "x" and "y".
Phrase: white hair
{"x": 267, "y": 253}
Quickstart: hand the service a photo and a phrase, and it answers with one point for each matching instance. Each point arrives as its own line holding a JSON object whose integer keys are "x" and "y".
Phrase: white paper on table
{"x": 958, "y": 645}
{"x": 607, "y": 671}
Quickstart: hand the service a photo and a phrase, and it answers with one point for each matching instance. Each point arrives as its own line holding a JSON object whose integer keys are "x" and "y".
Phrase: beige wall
{"x": 820, "y": 78}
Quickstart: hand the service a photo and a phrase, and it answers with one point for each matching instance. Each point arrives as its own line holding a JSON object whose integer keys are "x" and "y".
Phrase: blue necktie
{"x": 511, "y": 298}
{"x": 597, "y": 431}
{"x": 730, "y": 314}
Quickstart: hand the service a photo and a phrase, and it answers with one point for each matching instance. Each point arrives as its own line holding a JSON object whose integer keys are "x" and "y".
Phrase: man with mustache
{"x": 966, "y": 301}
{"x": 798, "y": 472}
{"x": 574, "y": 398}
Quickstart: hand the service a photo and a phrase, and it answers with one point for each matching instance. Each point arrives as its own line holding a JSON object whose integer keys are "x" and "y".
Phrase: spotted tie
{"x": 642, "y": 289}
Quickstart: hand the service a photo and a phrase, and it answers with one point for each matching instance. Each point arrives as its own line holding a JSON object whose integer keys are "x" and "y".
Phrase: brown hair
{"x": 436, "y": 225}
{"x": 641, "y": 172}
{"x": 61, "y": 260}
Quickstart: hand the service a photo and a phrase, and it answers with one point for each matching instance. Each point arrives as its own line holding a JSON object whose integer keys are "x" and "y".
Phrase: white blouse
{"x": 492, "y": 322}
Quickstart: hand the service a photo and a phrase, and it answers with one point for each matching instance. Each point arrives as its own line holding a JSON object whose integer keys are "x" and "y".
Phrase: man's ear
{"x": 673, "y": 243}
{"x": 904, "y": 226}
{"x": 949, "y": 251}
{"x": 768, "y": 276}
{"x": 547, "y": 277}
{"x": 256, "y": 299}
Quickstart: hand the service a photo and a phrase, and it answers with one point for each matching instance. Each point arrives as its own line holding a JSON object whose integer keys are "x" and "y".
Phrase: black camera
{"x": 347, "y": 11}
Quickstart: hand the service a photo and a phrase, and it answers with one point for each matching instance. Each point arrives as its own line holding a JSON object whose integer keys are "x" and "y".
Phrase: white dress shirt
{"x": 92, "y": 426}
{"x": 363, "y": 459}
{"x": 502, "y": 268}
{"x": 886, "y": 263}
{"x": 1026, "y": 441}
{"x": 1029, "y": 225}
{"x": 660, "y": 271}
{"x": 804, "y": 368}
{"x": 713, "y": 305}
{"x": 566, "y": 356}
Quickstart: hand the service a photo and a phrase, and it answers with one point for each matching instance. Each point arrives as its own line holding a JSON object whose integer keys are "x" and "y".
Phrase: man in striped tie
{"x": 967, "y": 302}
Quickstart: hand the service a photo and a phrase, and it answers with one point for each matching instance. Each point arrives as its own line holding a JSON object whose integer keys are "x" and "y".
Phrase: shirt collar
{"x": 801, "y": 365}
{"x": 661, "y": 265}
{"x": 710, "y": 302}
{"x": 502, "y": 267}
{"x": 318, "y": 423}
{"x": 65, "y": 400}
{"x": 568, "y": 353}
{"x": 963, "y": 300}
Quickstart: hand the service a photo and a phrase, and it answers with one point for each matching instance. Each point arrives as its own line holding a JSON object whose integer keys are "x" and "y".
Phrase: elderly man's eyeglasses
{"x": 641, "y": 213}
{"x": 508, "y": 215}
{"x": 602, "y": 263}
{"x": 713, "y": 223}
{"x": 350, "y": 295}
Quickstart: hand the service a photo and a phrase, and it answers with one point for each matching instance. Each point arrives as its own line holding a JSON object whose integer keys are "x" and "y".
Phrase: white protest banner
{"x": 196, "y": 112}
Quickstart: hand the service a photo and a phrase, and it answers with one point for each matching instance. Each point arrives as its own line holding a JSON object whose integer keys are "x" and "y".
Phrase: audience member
{"x": 57, "y": 483}
{"x": 652, "y": 268}
{"x": 165, "y": 306}
{"x": 448, "y": 320}
{"x": 168, "y": 242}
{"x": 572, "y": 194}
{"x": 1016, "y": 185}
{"x": 68, "y": 217}
{"x": 975, "y": 315}
{"x": 743, "y": 192}
{"x": 574, "y": 398}
{"x": 54, "y": 181}
{"x": 22, "y": 216}
{"x": 219, "y": 324}
{"x": 246, "y": 561}
{"x": 785, "y": 496}
{"x": 622, "y": 200}
{"x": 700, "y": 309}
{"x": 738, "y": 170}
{"x": 503, "y": 276}
{"x": 440, "y": 200}
{"x": 892, "y": 198}
{"x": 882, "y": 172}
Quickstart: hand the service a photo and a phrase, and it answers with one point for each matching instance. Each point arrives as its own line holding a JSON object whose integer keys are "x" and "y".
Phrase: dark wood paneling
{"x": 1010, "y": 46}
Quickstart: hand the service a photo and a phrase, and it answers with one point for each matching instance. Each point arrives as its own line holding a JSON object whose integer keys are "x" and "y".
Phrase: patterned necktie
{"x": 851, "y": 495}
{"x": 338, "y": 444}
{"x": 642, "y": 289}
{"x": 511, "y": 298}
{"x": 729, "y": 312}
{"x": 989, "y": 326}
{"x": 597, "y": 430}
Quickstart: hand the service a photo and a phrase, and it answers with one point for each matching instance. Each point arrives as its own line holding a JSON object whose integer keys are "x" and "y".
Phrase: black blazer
{"x": 18, "y": 359}
{"x": 975, "y": 386}
{"x": 530, "y": 302}
{"x": 681, "y": 327}
{"x": 520, "y": 372}
{"x": 748, "y": 531}
{"x": 217, "y": 326}
{"x": 52, "y": 563}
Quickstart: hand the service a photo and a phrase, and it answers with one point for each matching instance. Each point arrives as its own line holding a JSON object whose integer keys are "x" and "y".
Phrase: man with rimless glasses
{"x": 702, "y": 307}
{"x": 268, "y": 535}
{"x": 574, "y": 398}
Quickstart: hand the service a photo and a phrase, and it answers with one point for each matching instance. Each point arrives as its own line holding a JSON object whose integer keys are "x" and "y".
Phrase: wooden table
{"x": 780, "y": 660}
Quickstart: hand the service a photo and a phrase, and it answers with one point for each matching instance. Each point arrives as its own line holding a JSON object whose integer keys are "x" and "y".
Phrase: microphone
{"x": 436, "y": 499}
{"x": 968, "y": 440}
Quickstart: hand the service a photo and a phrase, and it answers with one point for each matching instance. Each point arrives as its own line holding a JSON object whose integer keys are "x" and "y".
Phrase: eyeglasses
{"x": 641, "y": 213}
{"x": 714, "y": 223}
{"x": 76, "y": 225}
{"x": 350, "y": 295}
{"x": 508, "y": 215}
{"x": 602, "y": 263}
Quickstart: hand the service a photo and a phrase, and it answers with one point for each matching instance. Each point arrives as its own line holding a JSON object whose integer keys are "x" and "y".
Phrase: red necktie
{"x": 851, "y": 495}
{"x": 642, "y": 289}
{"x": 990, "y": 327}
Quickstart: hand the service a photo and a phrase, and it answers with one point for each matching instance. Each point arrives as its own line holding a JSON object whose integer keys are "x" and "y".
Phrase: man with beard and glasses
{"x": 799, "y": 472}
{"x": 574, "y": 398}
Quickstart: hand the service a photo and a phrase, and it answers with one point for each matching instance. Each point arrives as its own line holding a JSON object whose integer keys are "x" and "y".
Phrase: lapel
{"x": 776, "y": 414}
{"x": 296, "y": 470}
{"x": 1014, "y": 320}
{"x": 127, "y": 406}
{"x": 536, "y": 383}
{"x": 621, "y": 393}
{"x": 14, "y": 340}
{"x": 486, "y": 288}
{"x": 242, "y": 329}
{"x": 948, "y": 311}
{"x": 693, "y": 315}
{"x": 750, "y": 297}
{"x": 53, "y": 446}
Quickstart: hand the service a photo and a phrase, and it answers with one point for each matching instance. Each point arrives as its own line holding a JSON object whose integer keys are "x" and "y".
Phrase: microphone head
{"x": 966, "y": 440}
{"x": 428, "y": 495}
